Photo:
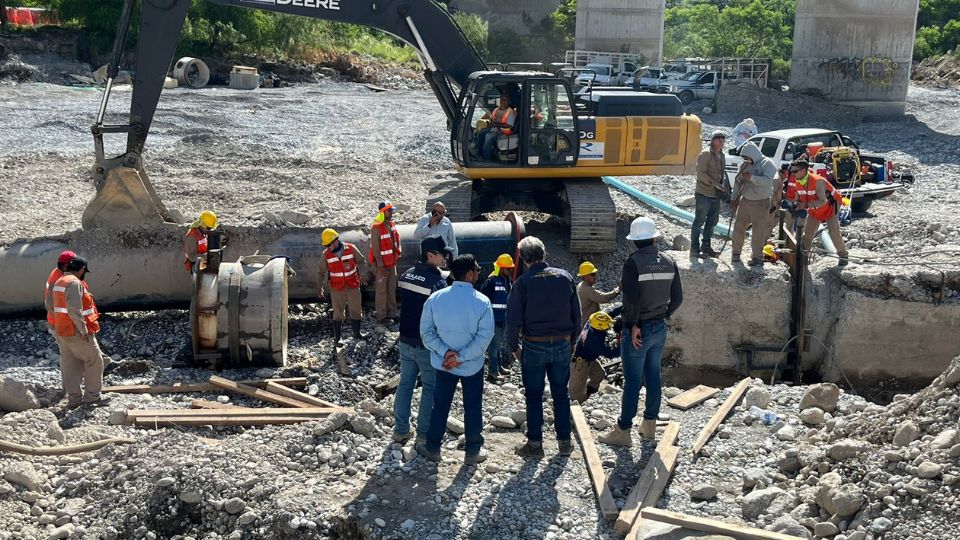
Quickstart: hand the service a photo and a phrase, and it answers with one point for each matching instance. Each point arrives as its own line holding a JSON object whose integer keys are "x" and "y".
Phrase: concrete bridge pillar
{"x": 856, "y": 52}
{"x": 629, "y": 26}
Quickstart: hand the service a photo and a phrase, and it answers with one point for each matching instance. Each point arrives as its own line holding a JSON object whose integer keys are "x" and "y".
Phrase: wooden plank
{"x": 658, "y": 469}
{"x": 154, "y": 421}
{"x": 235, "y": 411}
{"x": 386, "y": 388}
{"x": 204, "y": 404}
{"x": 594, "y": 465}
{"x": 663, "y": 470}
{"x": 196, "y": 387}
{"x": 719, "y": 416}
{"x": 297, "y": 395}
{"x": 712, "y": 525}
{"x": 694, "y": 396}
{"x": 248, "y": 390}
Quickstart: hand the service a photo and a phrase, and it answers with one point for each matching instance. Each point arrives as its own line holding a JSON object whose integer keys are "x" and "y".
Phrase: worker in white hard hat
{"x": 342, "y": 270}
{"x": 195, "y": 240}
{"x": 651, "y": 294}
{"x": 590, "y": 298}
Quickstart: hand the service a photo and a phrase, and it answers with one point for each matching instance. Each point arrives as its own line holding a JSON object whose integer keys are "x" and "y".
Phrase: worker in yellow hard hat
{"x": 590, "y": 298}
{"x": 497, "y": 289}
{"x": 770, "y": 254}
{"x": 586, "y": 373}
{"x": 195, "y": 241}
{"x": 342, "y": 270}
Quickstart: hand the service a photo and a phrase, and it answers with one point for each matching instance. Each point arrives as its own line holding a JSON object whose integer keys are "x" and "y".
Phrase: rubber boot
{"x": 337, "y": 332}
{"x": 617, "y": 437}
{"x": 648, "y": 428}
{"x": 355, "y": 325}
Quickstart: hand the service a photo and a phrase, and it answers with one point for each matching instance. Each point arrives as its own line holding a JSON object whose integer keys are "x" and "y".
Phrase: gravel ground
{"x": 307, "y": 148}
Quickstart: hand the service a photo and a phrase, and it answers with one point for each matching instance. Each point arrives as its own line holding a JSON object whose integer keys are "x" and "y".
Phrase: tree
{"x": 476, "y": 29}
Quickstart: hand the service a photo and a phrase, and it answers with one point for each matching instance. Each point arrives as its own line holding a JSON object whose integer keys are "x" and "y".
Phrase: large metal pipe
{"x": 142, "y": 268}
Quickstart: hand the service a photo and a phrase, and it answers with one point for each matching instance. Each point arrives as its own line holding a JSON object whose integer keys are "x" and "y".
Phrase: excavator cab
{"x": 543, "y": 132}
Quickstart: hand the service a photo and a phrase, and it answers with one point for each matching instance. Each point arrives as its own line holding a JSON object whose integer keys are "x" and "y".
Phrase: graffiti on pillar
{"x": 874, "y": 70}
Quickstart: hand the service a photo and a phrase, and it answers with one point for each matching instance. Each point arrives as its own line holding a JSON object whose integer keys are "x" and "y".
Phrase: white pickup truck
{"x": 598, "y": 74}
{"x": 785, "y": 145}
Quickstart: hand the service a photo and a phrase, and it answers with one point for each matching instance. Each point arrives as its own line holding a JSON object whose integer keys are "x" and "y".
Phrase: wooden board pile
{"x": 641, "y": 502}
{"x": 295, "y": 406}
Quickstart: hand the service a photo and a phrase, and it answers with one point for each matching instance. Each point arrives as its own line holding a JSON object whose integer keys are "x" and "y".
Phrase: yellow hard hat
{"x": 768, "y": 251}
{"x": 601, "y": 321}
{"x": 208, "y": 219}
{"x": 504, "y": 261}
{"x": 328, "y": 236}
{"x": 586, "y": 268}
{"x": 846, "y": 201}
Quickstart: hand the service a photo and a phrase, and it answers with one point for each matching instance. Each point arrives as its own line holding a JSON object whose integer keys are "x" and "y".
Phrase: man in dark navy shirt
{"x": 543, "y": 305}
{"x": 416, "y": 285}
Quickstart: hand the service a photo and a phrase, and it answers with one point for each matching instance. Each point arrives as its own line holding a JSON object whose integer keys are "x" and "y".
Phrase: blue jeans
{"x": 642, "y": 367}
{"x": 550, "y": 360}
{"x": 472, "y": 409}
{"x": 495, "y": 349}
{"x": 706, "y": 216}
{"x": 489, "y": 140}
{"x": 413, "y": 361}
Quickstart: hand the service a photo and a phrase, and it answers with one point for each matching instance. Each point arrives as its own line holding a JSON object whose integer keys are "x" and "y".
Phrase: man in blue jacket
{"x": 543, "y": 304}
{"x": 416, "y": 285}
{"x": 497, "y": 289}
{"x": 457, "y": 326}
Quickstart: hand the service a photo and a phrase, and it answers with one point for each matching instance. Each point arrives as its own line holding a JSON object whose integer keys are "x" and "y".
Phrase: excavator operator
{"x": 503, "y": 121}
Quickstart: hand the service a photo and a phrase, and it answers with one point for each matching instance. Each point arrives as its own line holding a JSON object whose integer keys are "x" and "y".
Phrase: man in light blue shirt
{"x": 436, "y": 223}
{"x": 457, "y": 326}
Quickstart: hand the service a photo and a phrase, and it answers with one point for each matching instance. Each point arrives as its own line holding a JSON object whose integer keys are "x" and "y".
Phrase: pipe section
{"x": 137, "y": 268}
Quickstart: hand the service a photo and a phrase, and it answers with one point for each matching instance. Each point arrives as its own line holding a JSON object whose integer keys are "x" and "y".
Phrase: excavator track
{"x": 455, "y": 191}
{"x": 593, "y": 216}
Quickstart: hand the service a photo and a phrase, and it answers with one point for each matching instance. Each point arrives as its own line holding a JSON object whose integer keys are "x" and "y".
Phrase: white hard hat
{"x": 642, "y": 228}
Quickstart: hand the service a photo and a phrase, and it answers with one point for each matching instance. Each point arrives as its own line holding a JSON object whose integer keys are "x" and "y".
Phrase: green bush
{"x": 476, "y": 29}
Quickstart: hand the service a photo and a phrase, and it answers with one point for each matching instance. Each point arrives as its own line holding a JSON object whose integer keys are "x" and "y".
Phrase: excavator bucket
{"x": 126, "y": 197}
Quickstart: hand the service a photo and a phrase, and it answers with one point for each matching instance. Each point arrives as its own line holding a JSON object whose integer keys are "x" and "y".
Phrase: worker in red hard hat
{"x": 62, "y": 261}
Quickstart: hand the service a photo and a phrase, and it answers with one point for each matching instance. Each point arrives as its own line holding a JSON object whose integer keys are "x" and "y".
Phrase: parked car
{"x": 604, "y": 75}
{"x": 646, "y": 79}
{"x": 785, "y": 145}
{"x": 693, "y": 85}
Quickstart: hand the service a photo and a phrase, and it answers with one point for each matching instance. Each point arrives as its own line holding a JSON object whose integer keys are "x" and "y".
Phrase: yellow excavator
{"x": 560, "y": 146}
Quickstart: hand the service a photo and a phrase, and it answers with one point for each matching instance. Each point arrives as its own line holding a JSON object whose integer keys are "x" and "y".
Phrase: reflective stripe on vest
{"x": 62, "y": 322}
{"x": 419, "y": 289}
{"x": 343, "y": 269}
{"x": 498, "y": 306}
{"x": 655, "y": 277}
{"x": 202, "y": 246}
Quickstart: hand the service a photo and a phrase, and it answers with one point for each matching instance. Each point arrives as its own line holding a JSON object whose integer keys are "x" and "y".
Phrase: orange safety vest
{"x": 503, "y": 120}
{"x": 51, "y": 280}
{"x": 343, "y": 269}
{"x": 808, "y": 195}
{"x": 389, "y": 243}
{"x": 62, "y": 322}
{"x": 201, "y": 246}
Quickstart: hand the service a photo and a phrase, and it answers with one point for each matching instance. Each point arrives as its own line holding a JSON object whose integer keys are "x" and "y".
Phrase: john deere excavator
{"x": 561, "y": 145}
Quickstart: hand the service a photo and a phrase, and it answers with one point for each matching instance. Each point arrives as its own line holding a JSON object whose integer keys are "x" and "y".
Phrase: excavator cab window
{"x": 552, "y": 133}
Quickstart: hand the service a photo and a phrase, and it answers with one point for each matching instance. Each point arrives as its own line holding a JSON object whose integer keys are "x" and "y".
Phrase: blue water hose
{"x": 659, "y": 204}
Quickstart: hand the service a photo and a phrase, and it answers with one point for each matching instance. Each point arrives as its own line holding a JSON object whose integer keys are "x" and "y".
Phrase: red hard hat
{"x": 66, "y": 256}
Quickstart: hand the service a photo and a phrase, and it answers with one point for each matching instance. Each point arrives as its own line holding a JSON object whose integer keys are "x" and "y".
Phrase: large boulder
{"x": 838, "y": 498}
{"x": 15, "y": 396}
{"x": 756, "y": 396}
{"x": 906, "y": 433}
{"x": 770, "y": 501}
{"x": 823, "y": 396}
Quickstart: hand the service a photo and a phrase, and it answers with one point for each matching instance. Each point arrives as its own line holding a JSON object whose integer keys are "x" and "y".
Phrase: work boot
{"x": 419, "y": 441}
{"x": 617, "y": 437}
{"x": 401, "y": 437}
{"x": 565, "y": 447}
{"x": 355, "y": 325}
{"x": 529, "y": 449}
{"x": 709, "y": 252}
{"x": 494, "y": 378}
{"x": 428, "y": 455}
{"x": 648, "y": 429}
{"x": 755, "y": 262}
{"x": 475, "y": 458}
{"x": 337, "y": 333}
{"x": 505, "y": 371}
{"x": 843, "y": 262}
{"x": 96, "y": 401}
